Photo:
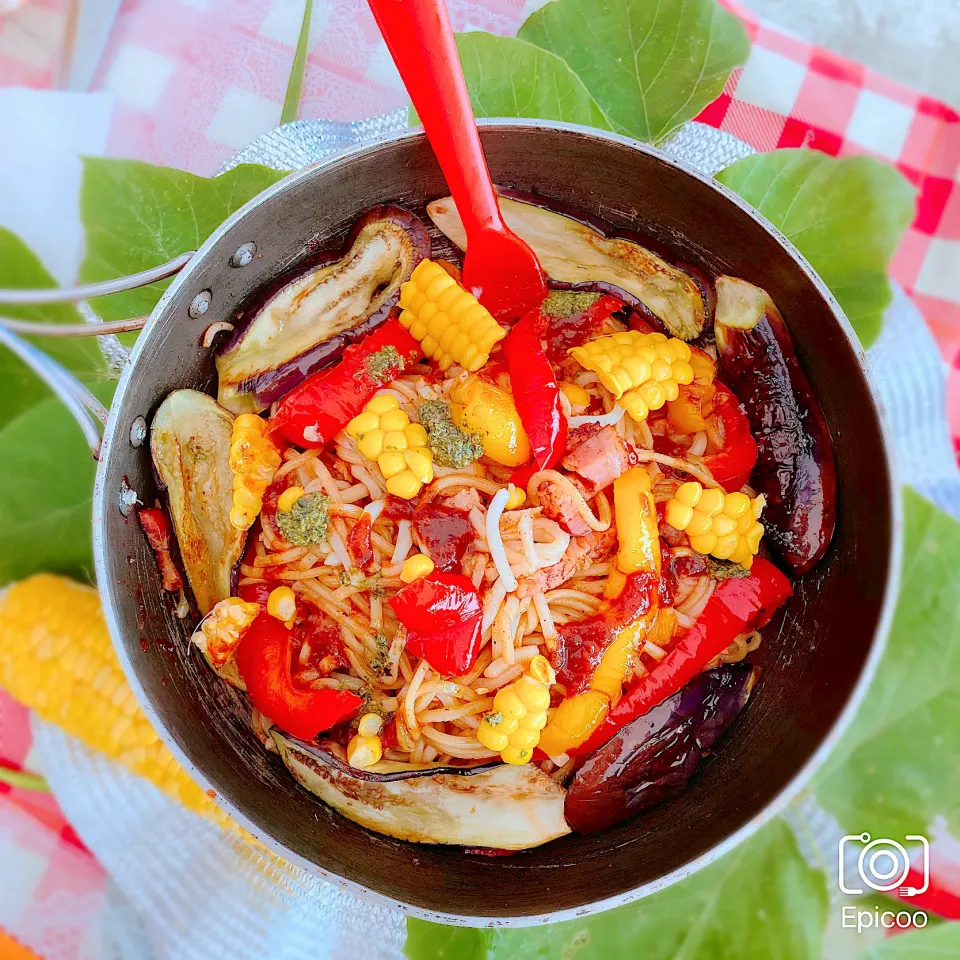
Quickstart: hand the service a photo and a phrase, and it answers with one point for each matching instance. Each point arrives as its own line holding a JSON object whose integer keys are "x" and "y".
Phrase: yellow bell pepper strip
{"x": 636, "y": 514}
{"x": 481, "y": 407}
{"x": 385, "y": 435}
{"x": 724, "y": 525}
{"x": 642, "y": 370}
{"x": 593, "y": 657}
{"x": 519, "y": 714}
{"x": 737, "y": 605}
{"x": 691, "y": 411}
{"x": 449, "y": 323}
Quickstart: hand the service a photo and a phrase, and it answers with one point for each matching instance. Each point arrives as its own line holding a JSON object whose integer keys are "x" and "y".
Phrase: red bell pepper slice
{"x": 264, "y": 659}
{"x": 736, "y": 606}
{"x": 732, "y": 465}
{"x": 315, "y": 412}
{"x": 156, "y": 527}
{"x": 536, "y": 392}
{"x": 443, "y": 615}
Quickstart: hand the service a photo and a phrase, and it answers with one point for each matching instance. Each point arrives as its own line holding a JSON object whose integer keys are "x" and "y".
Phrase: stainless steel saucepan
{"x": 819, "y": 652}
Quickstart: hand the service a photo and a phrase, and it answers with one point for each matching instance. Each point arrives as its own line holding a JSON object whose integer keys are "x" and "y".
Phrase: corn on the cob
{"x": 254, "y": 460}
{"x": 725, "y": 525}
{"x": 385, "y": 435}
{"x": 450, "y": 324}
{"x": 218, "y": 636}
{"x": 642, "y": 370}
{"x": 56, "y": 658}
{"x": 519, "y": 714}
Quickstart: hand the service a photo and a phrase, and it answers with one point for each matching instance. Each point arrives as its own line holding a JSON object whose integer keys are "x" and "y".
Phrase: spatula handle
{"x": 420, "y": 40}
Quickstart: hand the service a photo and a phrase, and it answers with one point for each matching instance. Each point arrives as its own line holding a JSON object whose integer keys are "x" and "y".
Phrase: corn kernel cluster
{"x": 365, "y": 747}
{"x": 642, "y": 370}
{"x": 519, "y": 714}
{"x": 222, "y": 628}
{"x": 725, "y": 525}
{"x": 450, "y": 324}
{"x": 254, "y": 460}
{"x": 385, "y": 434}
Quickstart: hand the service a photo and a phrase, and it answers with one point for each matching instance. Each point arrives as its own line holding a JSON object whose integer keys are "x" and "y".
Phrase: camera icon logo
{"x": 881, "y": 864}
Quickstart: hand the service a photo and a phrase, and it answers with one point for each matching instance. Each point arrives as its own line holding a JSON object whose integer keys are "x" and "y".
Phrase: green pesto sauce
{"x": 451, "y": 446}
{"x": 494, "y": 719}
{"x": 383, "y": 366}
{"x": 725, "y": 569}
{"x": 565, "y": 303}
{"x": 355, "y": 578}
{"x": 305, "y": 523}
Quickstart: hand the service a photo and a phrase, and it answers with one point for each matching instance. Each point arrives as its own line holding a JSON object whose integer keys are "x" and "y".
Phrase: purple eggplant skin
{"x": 795, "y": 468}
{"x": 269, "y": 385}
{"x": 652, "y": 758}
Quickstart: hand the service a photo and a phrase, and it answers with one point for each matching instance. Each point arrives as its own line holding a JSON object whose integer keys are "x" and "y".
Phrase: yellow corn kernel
{"x": 288, "y": 498}
{"x": 220, "y": 631}
{"x": 369, "y": 725}
{"x": 516, "y": 499}
{"x": 575, "y": 394}
{"x": 485, "y": 410}
{"x": 637, "y": 530}
{"x": 642, "y": 370}
{"x": 282, "y": 604}
{"x": 385, "y": 435}
{"x": 404, "y": 485}
{"x": 415, "y": 567}
{"x": 519, "y": 714}
{"x": 364, "y": 751}
{"x": 383, "y": 403}
{"x": 724, "y": 525}
{"x": 254, "y": 460}
{"x": 448, "y": 321}
{"x": 56, "y": 657}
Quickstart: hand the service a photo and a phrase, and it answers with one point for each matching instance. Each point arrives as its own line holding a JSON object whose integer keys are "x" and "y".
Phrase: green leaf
{"x": 46, "y": 486}
{"x": 896, "y": 768}
{"x": 291, "y": 102}
{"x": 509, "y": 78}
{"x": 136, "y": 216}
{"x": 931, "y": 943}
{"x": 846, "y": 216}
{"x": 761, "y": 894}
{"x": 20, "y": 388}
{"x": 650, "y": 67}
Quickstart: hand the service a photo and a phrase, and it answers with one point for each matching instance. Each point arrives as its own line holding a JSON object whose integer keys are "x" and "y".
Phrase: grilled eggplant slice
{"x": 310, "y": 321}
{"x": 571, "y": 252}
{"x": 507, "y": 807}
{"x": 190, "y": 444}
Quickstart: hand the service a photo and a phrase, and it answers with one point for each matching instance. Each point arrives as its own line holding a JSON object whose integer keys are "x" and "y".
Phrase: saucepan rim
{"x": 105, "y": 500}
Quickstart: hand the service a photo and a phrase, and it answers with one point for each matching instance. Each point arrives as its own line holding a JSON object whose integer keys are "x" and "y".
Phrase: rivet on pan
{"x": 128, "y": 499}
{"x": 138, "y": 432}
{"x": 201, "y": 304}
{"x": 244, "y": 255}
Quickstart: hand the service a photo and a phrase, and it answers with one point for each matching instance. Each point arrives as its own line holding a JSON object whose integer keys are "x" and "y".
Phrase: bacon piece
{"x": 359, "y": 543}
{"x": 580, "y": 554}
{"x": 558, "y": 504}
{"x": 156, "y": 527}
{"x": 599, "y": 458}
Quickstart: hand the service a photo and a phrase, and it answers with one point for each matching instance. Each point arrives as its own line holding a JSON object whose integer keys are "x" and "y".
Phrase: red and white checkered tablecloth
{"x": 194, "y": 80}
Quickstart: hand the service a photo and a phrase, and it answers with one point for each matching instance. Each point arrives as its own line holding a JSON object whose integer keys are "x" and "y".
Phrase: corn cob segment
{"x": 642, "y": 370}
{"x": 449, "y": 323}
{"x": 385, "y": 435}
{"x": 57, "y": 659}
{"x": 725, "y": 525}
{"x": 254, "y": 460}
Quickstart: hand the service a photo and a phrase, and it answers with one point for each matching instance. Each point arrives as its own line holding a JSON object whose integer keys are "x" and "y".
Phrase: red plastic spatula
{"x": 499, "y": 268}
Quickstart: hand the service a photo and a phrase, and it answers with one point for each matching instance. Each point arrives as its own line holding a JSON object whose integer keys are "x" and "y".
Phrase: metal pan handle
{"x": 90, "y": 414}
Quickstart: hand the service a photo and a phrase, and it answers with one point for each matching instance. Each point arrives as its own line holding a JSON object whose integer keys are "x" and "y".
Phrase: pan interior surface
{"x": 813, "y": 653}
